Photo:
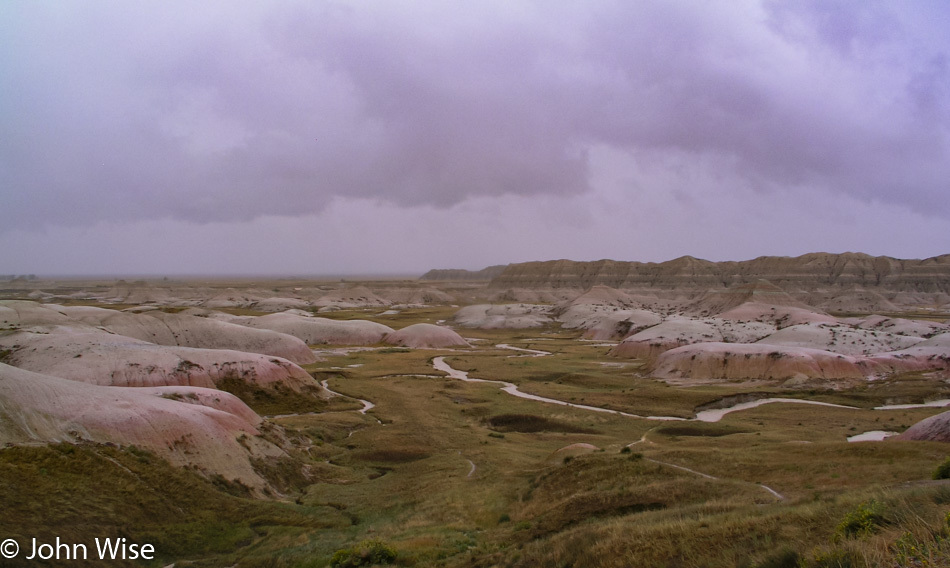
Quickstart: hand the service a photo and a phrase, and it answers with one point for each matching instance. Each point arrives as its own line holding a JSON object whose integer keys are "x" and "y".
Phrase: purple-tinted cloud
{"x": 224, "y": 112}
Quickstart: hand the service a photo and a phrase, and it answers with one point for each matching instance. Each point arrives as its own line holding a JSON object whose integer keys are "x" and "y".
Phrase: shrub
{"x": 862, "y": 521}
{"x": 785, "y": 558}
{"x": 366, "y": 553}
{"x": 522, "y": 526}
{"x": 530, "y": 423}
{"x": 943, "y": 470}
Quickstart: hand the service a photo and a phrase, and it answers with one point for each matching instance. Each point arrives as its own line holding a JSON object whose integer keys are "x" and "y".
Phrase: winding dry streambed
{"x": 530, "y": 352}
{"x": 712, "y": 415}
{"x": 367, "y": 405}
{"x": 440, "y": 365}
{"x": 716, "y": 415}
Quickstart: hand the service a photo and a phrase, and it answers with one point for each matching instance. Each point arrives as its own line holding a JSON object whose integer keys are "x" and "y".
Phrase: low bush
{"x": 785, "y": 558}
{"x": 863, "y": 520}
{"x": 943, "y": 470}
{"x": 366, "y": 553}
{"x": 532, "y": 423}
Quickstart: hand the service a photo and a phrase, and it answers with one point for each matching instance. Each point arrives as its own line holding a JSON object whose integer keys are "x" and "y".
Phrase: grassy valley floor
{"x": 443, "y": 472}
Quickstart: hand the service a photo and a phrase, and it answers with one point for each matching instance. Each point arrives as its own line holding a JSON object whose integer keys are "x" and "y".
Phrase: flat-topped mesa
{"x": 461, "y": 274}
{"x": 806, "y": 272}
{"x": 615, "y": 274}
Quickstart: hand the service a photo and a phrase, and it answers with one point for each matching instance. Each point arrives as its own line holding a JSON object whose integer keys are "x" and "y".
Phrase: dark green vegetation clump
{"x": 275, "y": 399}
{"x": 864, "y": 520}
{"x": 532, "y": 423}
{"x": 366, "y": 553}
{"x": 784, "y": 558}
{"x": 943, "y": 470}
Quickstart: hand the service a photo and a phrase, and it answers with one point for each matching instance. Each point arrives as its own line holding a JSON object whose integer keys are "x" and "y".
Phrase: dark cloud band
{"x": 224, "y": 112}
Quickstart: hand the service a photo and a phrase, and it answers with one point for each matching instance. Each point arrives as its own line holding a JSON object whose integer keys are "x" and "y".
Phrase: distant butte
{"x": 460, "y": 274}
{"x": 808, "y": 272}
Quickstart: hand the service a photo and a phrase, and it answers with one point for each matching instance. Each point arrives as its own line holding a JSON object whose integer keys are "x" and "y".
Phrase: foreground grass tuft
{"x": 864, "y": 520}
{"x": 366, "y": 553}
{"x": 943, "y": 470}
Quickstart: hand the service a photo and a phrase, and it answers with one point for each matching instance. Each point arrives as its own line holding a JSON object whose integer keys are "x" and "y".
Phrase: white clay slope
{"x": 737, "y": 361}
{"x": 426, "y": 336}
{"x": 209, "y": 429}
{"x": 677, "y": 331}
{"x": 95, "y": 356}
{"x": 190, "y": 331}
{"x": 840, "y": 339}
{"x": 322, "y": 331}
{"x": 503, "y": 316}
{"x": 933, "y": 429}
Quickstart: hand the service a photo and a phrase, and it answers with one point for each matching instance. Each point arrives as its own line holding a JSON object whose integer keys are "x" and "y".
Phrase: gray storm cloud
{"x": 224, "y": 111}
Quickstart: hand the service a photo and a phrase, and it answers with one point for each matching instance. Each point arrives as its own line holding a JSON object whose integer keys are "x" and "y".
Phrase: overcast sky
{"x": 372, "y": 137}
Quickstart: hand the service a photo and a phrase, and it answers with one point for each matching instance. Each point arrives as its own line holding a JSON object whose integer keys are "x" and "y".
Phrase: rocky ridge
{"x": 807, "y": 272}
{"x": 461, "y": 274}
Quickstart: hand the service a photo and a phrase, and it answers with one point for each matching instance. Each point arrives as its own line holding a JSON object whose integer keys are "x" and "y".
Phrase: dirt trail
{"x": 775, "y": 493}
{"x": 699, "y": 473}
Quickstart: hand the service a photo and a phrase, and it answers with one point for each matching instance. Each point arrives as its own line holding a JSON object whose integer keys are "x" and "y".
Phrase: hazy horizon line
{"x": 223, "y": 276}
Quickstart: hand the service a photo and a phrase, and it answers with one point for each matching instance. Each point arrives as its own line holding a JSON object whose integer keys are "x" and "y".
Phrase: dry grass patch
{"x": 392, "y": 455}
{"x": 702, "y": 429}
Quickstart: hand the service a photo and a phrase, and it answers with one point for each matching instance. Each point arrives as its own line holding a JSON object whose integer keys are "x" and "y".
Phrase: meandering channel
{"x": 714, "y": 415}
{"x": 717, "y": 414}
{"x": 530, "y": 352}
{"x": 440, "y": 365}
{"x": 367, "y": 405}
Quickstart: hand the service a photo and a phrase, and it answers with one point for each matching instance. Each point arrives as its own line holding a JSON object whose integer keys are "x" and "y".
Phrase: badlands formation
{"x": 150, "y": 375}
{"x": 147, "y": 377}
{"x": 786, "y": 321}
{"x": 818, "y": 272}
{"x": 321, "y": 392}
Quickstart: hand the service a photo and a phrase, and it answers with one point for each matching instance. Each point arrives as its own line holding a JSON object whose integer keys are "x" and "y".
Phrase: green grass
{"x": 402, "y": 474}
{"x": 82, "y": 492}
{"x": 275, "y": 398}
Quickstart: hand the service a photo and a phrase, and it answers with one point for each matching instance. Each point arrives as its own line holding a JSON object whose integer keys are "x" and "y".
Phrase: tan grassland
{"x": 443, "y": 472}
